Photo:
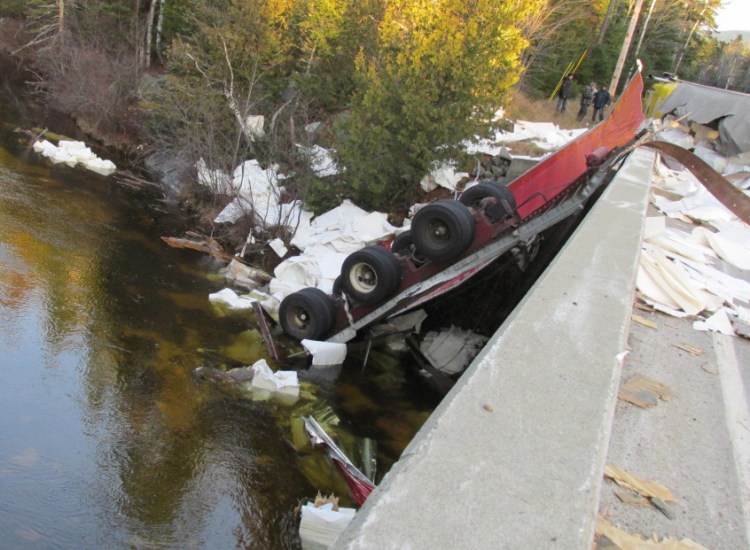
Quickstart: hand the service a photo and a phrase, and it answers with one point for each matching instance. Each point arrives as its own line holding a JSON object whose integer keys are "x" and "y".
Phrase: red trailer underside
{"x": 551, "y": 177}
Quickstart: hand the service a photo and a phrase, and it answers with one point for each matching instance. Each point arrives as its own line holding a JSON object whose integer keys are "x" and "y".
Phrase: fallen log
{"x": 205, "y": 244}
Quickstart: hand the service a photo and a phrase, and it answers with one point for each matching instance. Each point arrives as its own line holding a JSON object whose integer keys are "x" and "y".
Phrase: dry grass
{"x": 522, "y": 107}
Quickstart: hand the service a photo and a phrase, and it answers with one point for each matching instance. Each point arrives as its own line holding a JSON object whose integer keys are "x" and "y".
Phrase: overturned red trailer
{"x": 451, "y": 240}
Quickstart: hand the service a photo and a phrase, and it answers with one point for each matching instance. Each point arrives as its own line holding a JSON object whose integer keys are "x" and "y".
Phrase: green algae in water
{"x": 246, "y": 348}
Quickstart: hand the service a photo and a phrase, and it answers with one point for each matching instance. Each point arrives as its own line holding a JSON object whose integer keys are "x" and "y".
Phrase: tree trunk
{"x": 607, "y": 20}
{"x": 149, "y": 33}
{"x": 690, "y": 36}
{"x": 61, "y": 20}
{"x": 625, "y": 48}
{"x": 643, "y": 30}
{"x": 159, "y": 29}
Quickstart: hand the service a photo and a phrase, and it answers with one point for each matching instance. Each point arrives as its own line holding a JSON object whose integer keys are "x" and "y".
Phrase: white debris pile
{"x": 679, "y": 272}
{"x": 325, "y": 242}
{"x": 705, "y": 144}
{"x": 325, "y": 354}
{"x": 230, "y": 298}
{"x": 74, "y": 153}
{"x": 320, "y": 160}
{"x": 256, "y": 191}
{"x": 282, "y": 382}
{"x": 321, "y": 524}
{"x": 545, "y": 135}
{"x": 442, "y": 175}
{"x": 451, "y": 350}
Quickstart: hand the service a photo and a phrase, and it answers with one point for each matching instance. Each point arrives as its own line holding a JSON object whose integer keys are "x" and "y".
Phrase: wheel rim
{"x": 363, "y": 278}
{"x": 439, "y": 232}
{"x": 300, "y": 318}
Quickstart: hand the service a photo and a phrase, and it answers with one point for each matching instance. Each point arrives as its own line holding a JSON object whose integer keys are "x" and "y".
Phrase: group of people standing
{"x": 598, "y": 96}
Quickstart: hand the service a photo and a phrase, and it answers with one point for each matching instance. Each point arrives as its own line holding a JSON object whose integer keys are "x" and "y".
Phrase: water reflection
{"x": 107, "y": 439}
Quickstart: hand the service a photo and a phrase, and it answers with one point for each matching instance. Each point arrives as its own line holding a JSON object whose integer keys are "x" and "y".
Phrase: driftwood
{"x": 204, "y": 244}
{"x": 129, "y": 179}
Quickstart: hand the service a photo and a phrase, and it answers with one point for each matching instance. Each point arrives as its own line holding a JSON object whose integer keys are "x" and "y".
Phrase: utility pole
{"x": 625, "y": 47}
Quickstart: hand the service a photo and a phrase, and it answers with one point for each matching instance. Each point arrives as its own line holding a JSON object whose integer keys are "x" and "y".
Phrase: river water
{"x": 106, "y": 438}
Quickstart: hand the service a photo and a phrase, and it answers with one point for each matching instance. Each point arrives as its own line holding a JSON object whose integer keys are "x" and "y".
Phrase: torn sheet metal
{"x": 704, "y": 104}
{"x": 358, "y": 482}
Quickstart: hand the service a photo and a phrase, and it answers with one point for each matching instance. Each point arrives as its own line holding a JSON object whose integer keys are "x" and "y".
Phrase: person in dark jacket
{"x": 587, "y": 96}
{"x": 601, "y": 100}
{"x": 566, "y": 90}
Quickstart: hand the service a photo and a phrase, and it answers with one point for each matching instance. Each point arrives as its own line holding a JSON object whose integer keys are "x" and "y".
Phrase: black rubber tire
{"x": 505, "y": 201}
{"x": 442, "y": 230}
{"x": 307, "y": 314}
{"x": 338, "y": 286}
{"x": 370, "y": 274}
{"x": 403, "y": 243}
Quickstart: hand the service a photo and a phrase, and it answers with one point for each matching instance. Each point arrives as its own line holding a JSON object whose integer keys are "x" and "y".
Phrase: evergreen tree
{"x": 439, "y": 70}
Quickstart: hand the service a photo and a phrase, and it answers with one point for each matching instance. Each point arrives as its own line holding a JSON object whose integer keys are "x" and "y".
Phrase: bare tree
{"x": 607, "y": 20}
{"x": 47, "y": 23}
{"x": 690, "y": 36}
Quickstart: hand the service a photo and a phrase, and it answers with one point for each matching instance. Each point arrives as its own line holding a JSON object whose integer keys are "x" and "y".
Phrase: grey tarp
{"x": 704, "y": 104}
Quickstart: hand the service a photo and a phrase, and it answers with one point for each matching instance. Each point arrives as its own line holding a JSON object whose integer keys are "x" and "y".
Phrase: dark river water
{"x": 106, "y": 438}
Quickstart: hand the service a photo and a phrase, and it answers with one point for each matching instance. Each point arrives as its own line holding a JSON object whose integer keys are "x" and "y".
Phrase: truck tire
{"x": 504, "y": 203}
{"x": 402, "y": 244}
{"x": 307, "y": 314}
{"x": 370, "y": 274}
{"x": 442, "y": 230}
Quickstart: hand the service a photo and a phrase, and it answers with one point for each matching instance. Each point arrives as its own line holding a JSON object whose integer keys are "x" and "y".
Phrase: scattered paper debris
{"x": 450, "y": 351}
{"x": 644, "y": 392}
{"x": 633, "y": 499}
{"x": 245, "y": 276}
{"x": 692, "y": 350}
{"x": 662, "y": 506}
{"x": 325, "y": 353}
{"x": 643, "y": 321}
{"x": 277, "y": 245}
{"x": 232, "y": 299}
{"x": 633, "y": 541}
{"x": 321, "y": 524}
{"x": 642, "y": 487}
{"x": 718, "y": 322}
{"x": 282, "y": 382}
{"x": 710, "y": 369}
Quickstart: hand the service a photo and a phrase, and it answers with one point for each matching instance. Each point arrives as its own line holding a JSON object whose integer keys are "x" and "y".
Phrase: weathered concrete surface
{"x": 697, "y": 443}
{"x": 514, "y": 455}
